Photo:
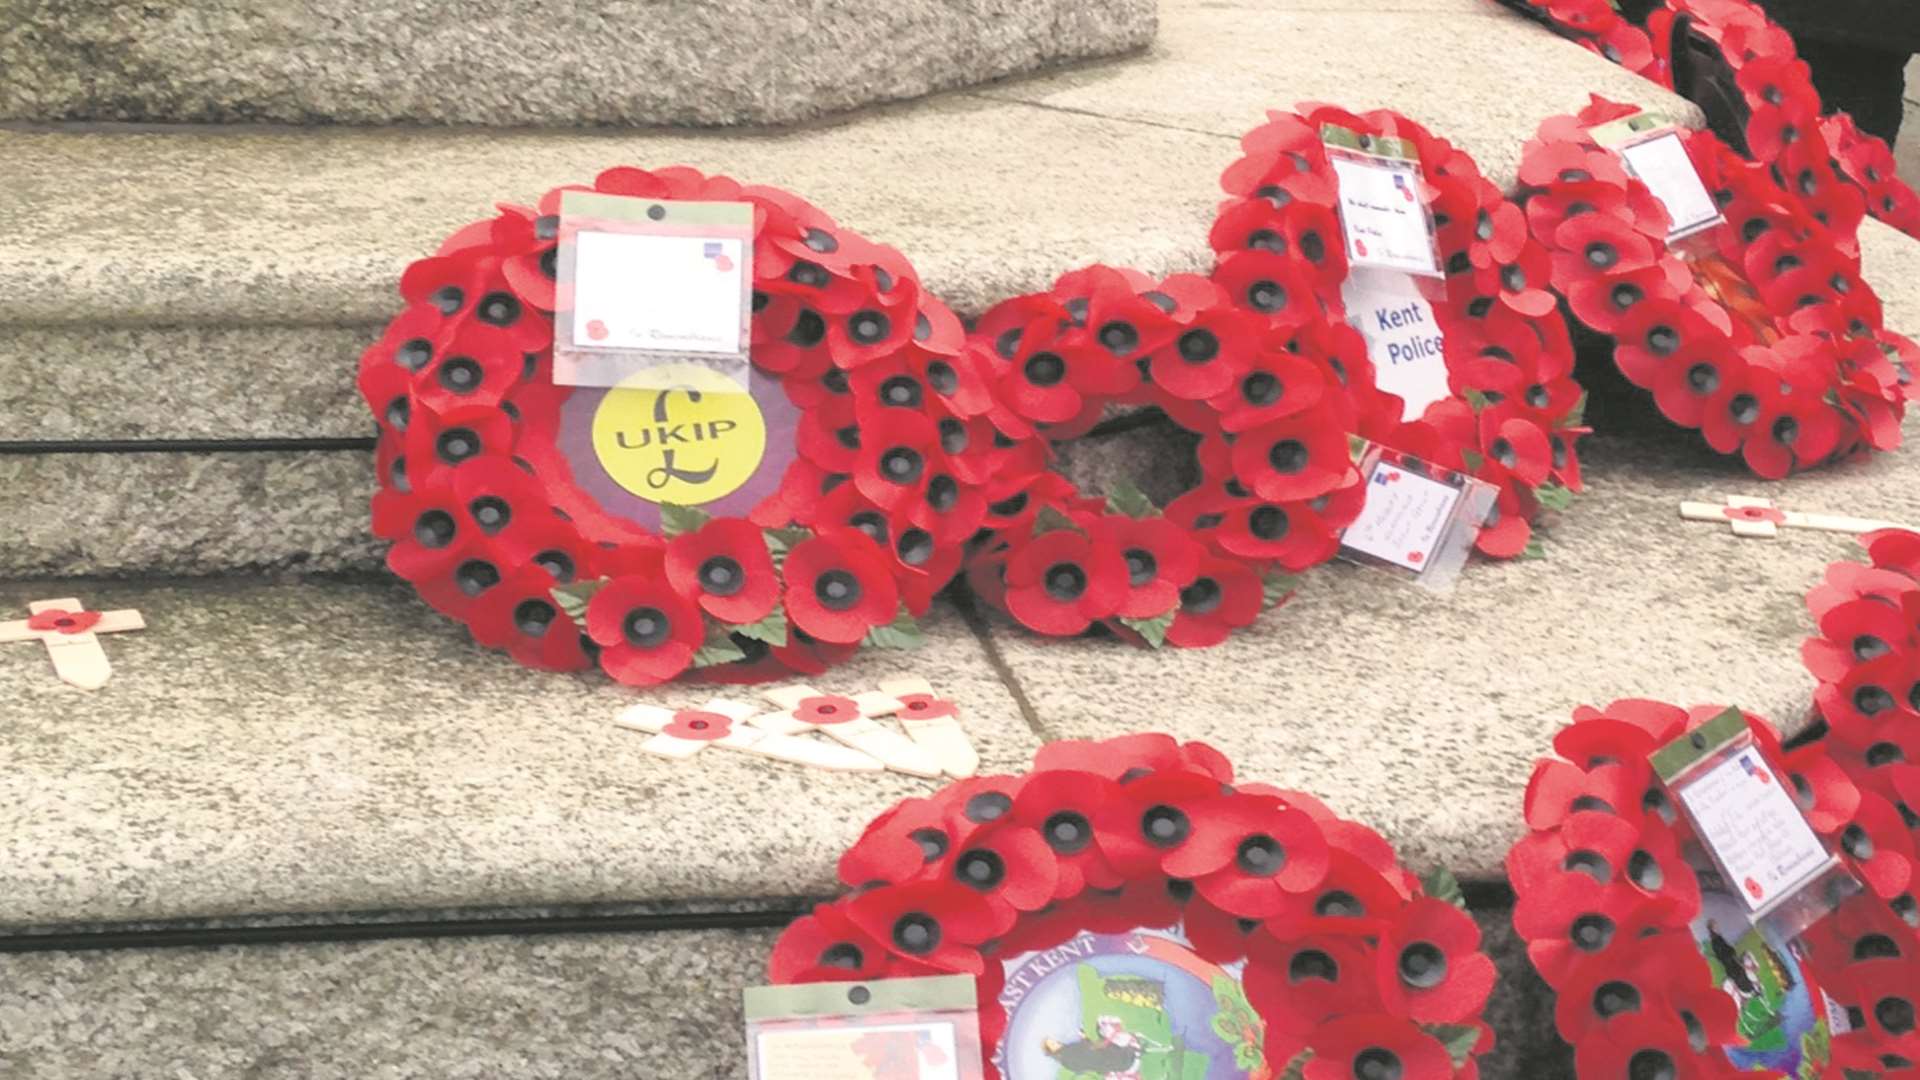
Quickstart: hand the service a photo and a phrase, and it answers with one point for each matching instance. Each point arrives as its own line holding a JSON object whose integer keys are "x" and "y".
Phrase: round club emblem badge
{"x": 1134, "y": 1006}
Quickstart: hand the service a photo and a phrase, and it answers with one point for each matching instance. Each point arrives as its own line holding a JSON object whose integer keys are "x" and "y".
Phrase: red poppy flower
{"x": 1062, "y": 582}
{"x": 1060, "y": 807}
{"x": 1429, "y": 967}
{"x": 1879, "y": 847}
{"x": 837, "y": 587}
{"x": 1273, "y": 383}
{"x": 1369, "y": 1046}
{"x": 1292, "y": 459}
{"x": 62, "y": 621}
{"x": 646, "y": 631}
{"x": 1558, "y": 790}
{"x": 1248, "y": 853}
{"x": 940, "y": 924}
{"x": 1225, "y": 596}
{"x": 1013, "y": 868}
{"x": 1634, "y": 1044}
{"x": 1870, "y": 695}
{"x": 698, "y": 725}
{"x": 1281, "y": 288}
{"x": 726, "y": 566}
{"x": 1599, "y": 244}
{"x": 826, "y": 709}
{"x": 1300, "y": 983}
{"x": 925, "y": 707}
{"x": 1518, "y": 444}
{"x": 825, "y": 946}
{"x": 1161, "y": 559}
{"x": 520, "y": 616}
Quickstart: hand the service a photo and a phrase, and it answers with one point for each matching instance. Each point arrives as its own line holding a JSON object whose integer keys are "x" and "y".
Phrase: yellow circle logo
{"x": 690, "y": 435}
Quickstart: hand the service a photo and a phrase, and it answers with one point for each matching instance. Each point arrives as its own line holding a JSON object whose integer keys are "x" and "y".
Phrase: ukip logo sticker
{"x": 682, "y": 434}
{"x": 1134, "y": 1006}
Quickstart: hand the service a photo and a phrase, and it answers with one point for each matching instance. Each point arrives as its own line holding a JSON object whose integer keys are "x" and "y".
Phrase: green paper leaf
{"x": 1578, "y": 417}
{"x": 1553, "y": 496}
{"x": 1472, "y": 460}
{"x": 719, "y": 647}
{"x": 1536, "y": 549}
{"x": 1131, "y": 501}
{"x": 573, "y": 597}
{"x": 1050, "y": 519}
{"x": 675, "y": 520}
{"x": 772, "y": 629}
{"x": 902, "y": 633}
{"x": 1478, "y": 400}
{"x": 1154, "y": 629}
{"x": 1277, "y": 587}
{"x": 1356, "y": 447}
{"x": 782, "y": 541}
{"x": 1459, "y": 1039}
{"x": 1442, "y": 885}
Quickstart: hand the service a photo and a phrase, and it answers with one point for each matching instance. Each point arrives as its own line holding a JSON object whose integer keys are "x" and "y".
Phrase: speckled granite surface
{"x": 543, "y": 1008}
{"x": 493, "y": 62}
{"x": 335, "y": 746}
{"x": 629, "y": 1005}
{"x": 990, "y": 193}
{"x": 1422, "y": 713}
{"x": 186, "y": 513}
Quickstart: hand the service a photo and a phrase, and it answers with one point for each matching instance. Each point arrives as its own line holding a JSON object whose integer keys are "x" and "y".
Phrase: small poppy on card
{"x": 597, "y": 330}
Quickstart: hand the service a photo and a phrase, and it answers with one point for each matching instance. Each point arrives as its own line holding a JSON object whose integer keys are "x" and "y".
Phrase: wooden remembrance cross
{"x": 71, "y": 635}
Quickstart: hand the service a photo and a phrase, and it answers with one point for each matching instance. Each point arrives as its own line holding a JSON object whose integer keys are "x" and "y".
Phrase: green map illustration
{"x": 1143, "y": 1039}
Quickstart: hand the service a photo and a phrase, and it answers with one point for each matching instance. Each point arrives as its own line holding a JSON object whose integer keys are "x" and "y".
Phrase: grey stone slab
{"x": 1421, "y": 714}
{"x": 640, "y": 1005}
{"x": 1520, "y": 1010}
{"x": 494, "y": 62}
{"x": 186, "y": 513}
{"x": 1476, "y": 74}
{"x": 537, "y": 1008}
{"x": 321, "y": 746}
{"x": 990, "y": 195}
{"x": 82, "y": 382}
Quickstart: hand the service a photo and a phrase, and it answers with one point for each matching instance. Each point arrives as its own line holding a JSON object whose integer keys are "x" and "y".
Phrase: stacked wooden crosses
{"x": 825, "y": 731}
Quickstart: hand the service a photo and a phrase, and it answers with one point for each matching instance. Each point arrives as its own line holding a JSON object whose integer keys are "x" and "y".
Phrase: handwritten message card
{"x": 1747, "y": 817}
{"x": 1383, "y": 210}
{"x": 1404, "y": 518}
{"x": 892, "y": 1052}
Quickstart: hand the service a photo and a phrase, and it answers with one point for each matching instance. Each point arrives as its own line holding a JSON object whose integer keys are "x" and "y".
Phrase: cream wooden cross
{"x": 860, "y": 732}
{"x": 942, "y": 735}
{"x": 1751, "y": 516}
{"x": 721, "y": 722}
{"x": 71, "y": 635}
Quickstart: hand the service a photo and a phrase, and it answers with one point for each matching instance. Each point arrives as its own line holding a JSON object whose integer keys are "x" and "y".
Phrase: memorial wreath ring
{"x": 1770, "y": 343}
{"x": 1353, "y": 969}
{"x": 1608, "y": 899}
{"x": 1514, "y": 413}
{"x": 494, "y": 526}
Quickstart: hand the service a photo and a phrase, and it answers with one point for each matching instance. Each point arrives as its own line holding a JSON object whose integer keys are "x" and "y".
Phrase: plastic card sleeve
{"x": 1420, "y": 520}
{"x": 1651, "y": 147}
{"x": 645, "y": 285}
{"x": 1385, "y": 216}
{"x": 885, "y": 1029}
{"x": 1738, "y": 804}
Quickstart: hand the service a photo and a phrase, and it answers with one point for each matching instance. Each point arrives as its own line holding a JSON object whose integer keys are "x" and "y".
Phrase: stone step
{"x": 655, "y": 1004}
{"x": 226, "y": 288}
{"x": 495, "y": 63}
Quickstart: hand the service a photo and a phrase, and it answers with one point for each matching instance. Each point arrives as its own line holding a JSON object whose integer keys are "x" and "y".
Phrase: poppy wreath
{"x": 1841, "y": 170}
{"x": 1516, "y": 413}
{"x": 1606, "y": 892}
{"x": 1867, "y": 659}
{"x": 1278, "y": 482}
{"x": 1354, "y": 968}
{"x": 1769, "y": 342}
{"x": 491, "y": 525}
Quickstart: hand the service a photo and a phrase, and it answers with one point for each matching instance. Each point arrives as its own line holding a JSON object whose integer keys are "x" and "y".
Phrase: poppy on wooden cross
{"x": 682, "y": 733}
{"x": 70, "y": 633}
{"x": 1751, "y": 516}
{"x": 848, "y": 720}
{"x": 934, "y": 723}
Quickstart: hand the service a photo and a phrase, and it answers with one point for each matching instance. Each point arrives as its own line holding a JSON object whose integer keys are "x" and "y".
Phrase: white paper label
{"x": 926, "y": 1051}
{"x": 1404, "y": 518}
{"x": 1381, "y": 212}
{"x": 1403, "y": 340}
{"x": 1747, "y": 817}
{"x": 662, "y": 293}
{"x": 1662, "y": 164}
